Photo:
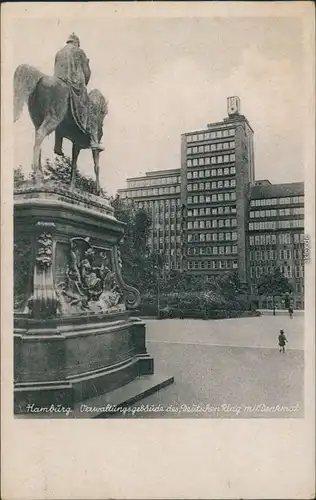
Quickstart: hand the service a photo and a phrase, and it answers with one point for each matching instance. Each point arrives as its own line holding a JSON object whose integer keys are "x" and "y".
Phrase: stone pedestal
{"x": 74, "y": 338}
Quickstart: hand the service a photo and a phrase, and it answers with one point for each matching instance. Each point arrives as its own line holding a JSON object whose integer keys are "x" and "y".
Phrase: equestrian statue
{"x": 62, "y": 104}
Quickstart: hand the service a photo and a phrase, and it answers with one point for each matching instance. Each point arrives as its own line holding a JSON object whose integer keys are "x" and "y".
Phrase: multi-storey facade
{"x": 276, "y": 236}
{"x": 211, "y": 216}
{"x": 159, "y": 193}
{"x": 217, "y": 170}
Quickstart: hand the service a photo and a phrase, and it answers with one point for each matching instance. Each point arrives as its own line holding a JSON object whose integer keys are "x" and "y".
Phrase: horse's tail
{"x": 25, "y": 80}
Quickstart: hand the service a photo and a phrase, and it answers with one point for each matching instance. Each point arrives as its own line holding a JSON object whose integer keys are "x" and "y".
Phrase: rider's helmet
{"x": 74, "y": 39}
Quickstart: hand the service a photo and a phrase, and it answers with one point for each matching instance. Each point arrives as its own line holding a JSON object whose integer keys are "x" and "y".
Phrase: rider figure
{"x": 72, "y": 66}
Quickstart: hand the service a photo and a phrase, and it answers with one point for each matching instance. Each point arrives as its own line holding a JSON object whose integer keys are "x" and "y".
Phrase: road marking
{"x": 218, "y": 345}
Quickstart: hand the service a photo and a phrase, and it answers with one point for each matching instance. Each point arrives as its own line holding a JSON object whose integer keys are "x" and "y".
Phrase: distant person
{"x": 291, "y": 312}
{"x": 282, "y": 341}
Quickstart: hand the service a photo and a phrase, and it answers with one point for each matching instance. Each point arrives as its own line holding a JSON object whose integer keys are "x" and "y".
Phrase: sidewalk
{"x": 279, "y": 312}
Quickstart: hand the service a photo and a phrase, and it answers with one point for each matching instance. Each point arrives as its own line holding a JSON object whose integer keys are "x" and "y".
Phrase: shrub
{"x": 194, "y": 305}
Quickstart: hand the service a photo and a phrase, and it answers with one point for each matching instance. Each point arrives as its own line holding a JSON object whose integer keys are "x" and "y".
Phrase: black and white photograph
{"x": 160, "y": 248}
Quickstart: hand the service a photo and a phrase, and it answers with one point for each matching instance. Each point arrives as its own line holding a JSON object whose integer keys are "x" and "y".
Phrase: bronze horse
{"x": 48, "y": 99}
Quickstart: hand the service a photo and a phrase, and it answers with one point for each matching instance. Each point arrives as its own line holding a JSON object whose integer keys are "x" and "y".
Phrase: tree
{"x": 274, "y": 284}
{"x": 136, "y": 258}
{"x": 60, "y": 170}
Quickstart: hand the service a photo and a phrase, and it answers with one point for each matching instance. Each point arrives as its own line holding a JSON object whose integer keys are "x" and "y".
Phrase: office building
{"x": 211, "y": 216}
{"x": 159, "y": 193}
{"x": 276, "y": 236}
{"x": 217, "y": 170}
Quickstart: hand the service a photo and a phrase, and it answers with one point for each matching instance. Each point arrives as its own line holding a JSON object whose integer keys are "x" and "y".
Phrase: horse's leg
{"x": 58, "y": 147}
{"x": 47, "y": 127}
{"x": 75, "y": 154}
{"x": 96, "y": 158}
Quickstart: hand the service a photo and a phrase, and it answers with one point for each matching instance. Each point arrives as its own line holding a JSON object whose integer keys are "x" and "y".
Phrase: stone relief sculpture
{"x": 89, "y": 286}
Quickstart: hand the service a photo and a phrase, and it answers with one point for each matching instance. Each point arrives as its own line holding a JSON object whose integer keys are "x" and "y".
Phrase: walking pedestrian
{"x": 291, "y": 312}
{"x": 282, "y": 341}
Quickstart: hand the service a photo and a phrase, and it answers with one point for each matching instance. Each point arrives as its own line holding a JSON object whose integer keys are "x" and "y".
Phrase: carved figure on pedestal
{"x": 88, "y": 286}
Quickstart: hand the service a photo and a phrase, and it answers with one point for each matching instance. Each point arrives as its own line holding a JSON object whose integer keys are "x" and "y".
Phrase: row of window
{"x": 158, "y": 224}
{"x": 284, "y": 254}
{"x": 281, "y": 224}
{"x": 211, "y": 160}
{"x": 166, "y": 215}
{"x": 227, "y": 236}
{"x": 164, "y": 248}
{"x": 214, "y": 172}
{"x": 173, "y": 239}
{"x": 159, "y": 181}
{"x": 150, "y": 192}
{"x": 277, "y": 201}
{"x": 281, "y": 212}
{"x": 173, "y": 252}
{"x": 287, "y": 271}
{"x": 195, "y": 212}
{"x": 214, "y": 134}
{"x": 213, "y": 250}
{"x": 196, "y": 237}
{"x": 211, "y": 198}
{"x": 219, "y": 146}
{"x": 212, "y": 264}
{"x": 173, "y": 265}
{"x": 271, "y": 239}
{"x": 201, "y": 186}
{"x": 208, "y": 224}
{"x": 147, "y": 204}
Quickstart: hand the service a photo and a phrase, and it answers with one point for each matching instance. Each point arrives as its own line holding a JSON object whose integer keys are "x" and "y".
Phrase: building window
{"x": 285, "y": 239}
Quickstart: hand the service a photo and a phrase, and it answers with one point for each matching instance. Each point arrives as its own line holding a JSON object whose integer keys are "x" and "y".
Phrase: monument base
{"x": 55, "y": 370}
{"x": 74, "y": 337}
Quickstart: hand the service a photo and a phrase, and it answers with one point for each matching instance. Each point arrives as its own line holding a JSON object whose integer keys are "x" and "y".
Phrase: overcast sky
{"x": 163, "y": 77}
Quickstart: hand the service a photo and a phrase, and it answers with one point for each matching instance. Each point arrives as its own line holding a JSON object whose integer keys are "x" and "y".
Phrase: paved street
{"x": 226, "y": 368}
